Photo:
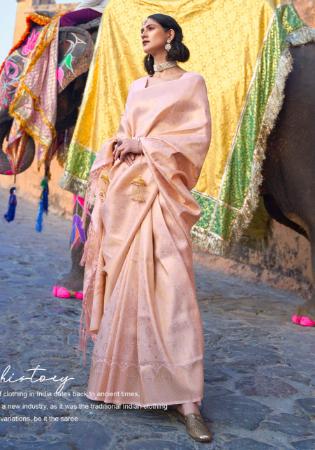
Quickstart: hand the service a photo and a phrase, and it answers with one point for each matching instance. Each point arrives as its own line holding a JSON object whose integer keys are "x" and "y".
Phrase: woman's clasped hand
{"x": 126, "y": 150}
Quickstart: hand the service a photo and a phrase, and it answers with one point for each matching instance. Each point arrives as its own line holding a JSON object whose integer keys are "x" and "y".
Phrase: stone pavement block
{"x": 264, "y": 386}
{"x": 46, "y": 445}
{"x": 143, "y": 440}
{"x": 290, "y": 424}
{"x": 235, "y": 410}
{"x": 9, "y": 445}
{"x": 151, "y": 444}
{"x": 214, "y": 374}
{"x": 4, "y": 429}
{"x": 286, "y": 372}
{"x": 307, "y": 444}
{"x": 213, "y": 391}
{"x": 248, "y": 444}
{"x": 307, "y": 405}
{"x": 90, "y": 435}
{"x": 247, "y": 355}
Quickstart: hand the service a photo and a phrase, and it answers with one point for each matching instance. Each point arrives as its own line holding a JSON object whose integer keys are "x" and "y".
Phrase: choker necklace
{"x": 163, "y": 66}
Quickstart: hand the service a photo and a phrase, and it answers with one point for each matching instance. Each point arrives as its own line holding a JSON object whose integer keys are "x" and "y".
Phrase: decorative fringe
{"x": 78, "y": 232}
{"x": 302, "y": 36}
{"x": 94, "y": 189}
{"x": 272, "y": 111}
{"x": 211, "y": 242}
{"x": 73, "y": 184}
{"x": 94, "y": 197}
{"x": 10, "y": 214}
{"x": 43, "y": 205}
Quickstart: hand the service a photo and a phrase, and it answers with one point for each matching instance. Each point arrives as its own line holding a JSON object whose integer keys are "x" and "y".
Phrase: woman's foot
{"x": 187, "y": 408}
{"x": 189, "y": 414}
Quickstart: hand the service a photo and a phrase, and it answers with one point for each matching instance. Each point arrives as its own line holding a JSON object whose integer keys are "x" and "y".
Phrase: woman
{"x": 140, "y": 305}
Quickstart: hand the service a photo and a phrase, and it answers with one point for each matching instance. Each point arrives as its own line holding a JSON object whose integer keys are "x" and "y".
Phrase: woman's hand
{"x": 126, "y": 150}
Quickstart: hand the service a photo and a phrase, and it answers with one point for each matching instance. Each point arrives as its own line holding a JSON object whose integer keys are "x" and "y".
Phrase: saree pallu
{"x": 139, "y": 303}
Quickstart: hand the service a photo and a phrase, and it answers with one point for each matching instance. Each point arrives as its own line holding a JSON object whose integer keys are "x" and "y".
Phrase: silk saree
{"x": 140, "y": 305}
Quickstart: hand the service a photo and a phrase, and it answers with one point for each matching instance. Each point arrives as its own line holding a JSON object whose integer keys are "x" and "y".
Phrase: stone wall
{"x": 284, "y": 263}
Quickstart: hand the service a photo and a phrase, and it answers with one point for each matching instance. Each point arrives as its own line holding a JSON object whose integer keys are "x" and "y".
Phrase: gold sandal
{"x": 195, "y": 425}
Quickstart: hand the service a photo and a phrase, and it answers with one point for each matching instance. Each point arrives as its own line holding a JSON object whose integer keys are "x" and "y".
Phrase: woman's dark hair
{"x": 178, "y": 52}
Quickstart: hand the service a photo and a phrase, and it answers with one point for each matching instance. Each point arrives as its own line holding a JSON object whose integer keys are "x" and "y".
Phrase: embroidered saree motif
{"x": 138, "y": 184}
{"x": 103, "y": 181}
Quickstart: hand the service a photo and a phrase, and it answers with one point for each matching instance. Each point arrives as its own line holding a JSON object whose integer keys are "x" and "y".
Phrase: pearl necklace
{"x": 163, "y": 66}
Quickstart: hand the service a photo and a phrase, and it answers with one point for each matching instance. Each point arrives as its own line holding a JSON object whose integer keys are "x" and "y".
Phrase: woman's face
{"x": 154, "y": 37}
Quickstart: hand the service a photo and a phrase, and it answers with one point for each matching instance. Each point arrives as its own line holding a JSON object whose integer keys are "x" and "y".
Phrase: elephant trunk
{"x": 27, "y": 152}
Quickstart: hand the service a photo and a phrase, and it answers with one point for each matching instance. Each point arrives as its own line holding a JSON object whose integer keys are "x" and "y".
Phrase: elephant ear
{"x": 76, "y": 48}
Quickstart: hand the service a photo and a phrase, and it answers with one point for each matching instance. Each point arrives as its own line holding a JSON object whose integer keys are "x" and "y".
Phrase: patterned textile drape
{"x": 34, "y": 105}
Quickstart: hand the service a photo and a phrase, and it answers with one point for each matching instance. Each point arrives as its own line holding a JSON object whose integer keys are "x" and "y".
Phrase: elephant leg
{"x": 73, "y": 281}
{"x": 307, "y": 310}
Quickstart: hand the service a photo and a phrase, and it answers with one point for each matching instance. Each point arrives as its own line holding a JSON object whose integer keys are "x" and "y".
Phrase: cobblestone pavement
{"x": 259, "y": 369}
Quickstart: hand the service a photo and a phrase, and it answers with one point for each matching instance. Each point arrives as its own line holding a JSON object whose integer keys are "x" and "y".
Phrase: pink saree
{"x": 140, "y": 305}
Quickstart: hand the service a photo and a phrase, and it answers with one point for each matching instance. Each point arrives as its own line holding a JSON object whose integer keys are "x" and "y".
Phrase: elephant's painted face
{"x": 13, "y": 69}
{"x": 75, "y": 52}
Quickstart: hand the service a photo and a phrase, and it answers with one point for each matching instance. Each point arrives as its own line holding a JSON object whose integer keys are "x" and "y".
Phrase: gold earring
{"x": 168, "y": 46}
